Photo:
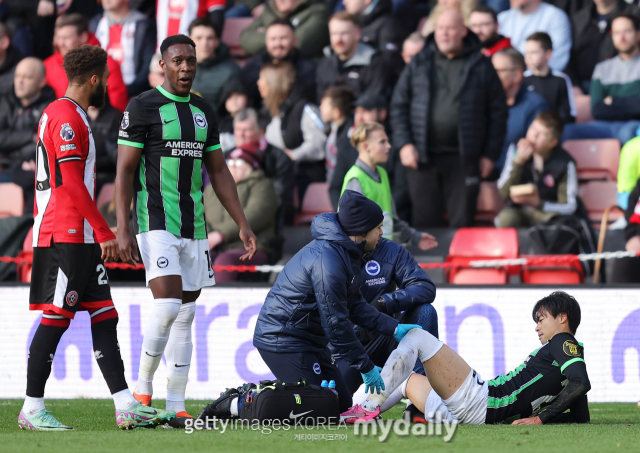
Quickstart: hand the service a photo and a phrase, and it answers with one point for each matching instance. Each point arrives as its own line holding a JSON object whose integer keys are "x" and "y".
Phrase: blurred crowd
{"x": 452, "y": 93}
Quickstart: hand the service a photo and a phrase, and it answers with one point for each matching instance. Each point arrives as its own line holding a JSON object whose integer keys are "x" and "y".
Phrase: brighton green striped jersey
{"x": 173, "y": 133}
{"x": 531, "y": 387}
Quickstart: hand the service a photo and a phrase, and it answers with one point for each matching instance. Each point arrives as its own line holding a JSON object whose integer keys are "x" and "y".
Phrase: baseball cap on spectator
{"x": 370, "y": 101}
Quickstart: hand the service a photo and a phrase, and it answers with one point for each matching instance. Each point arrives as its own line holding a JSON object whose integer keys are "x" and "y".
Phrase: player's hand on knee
{"x": 110, "y": 250}
{"x": 403, "y": 329}
{"x": 128, "y": 249}
{"x": 373, "y": 381}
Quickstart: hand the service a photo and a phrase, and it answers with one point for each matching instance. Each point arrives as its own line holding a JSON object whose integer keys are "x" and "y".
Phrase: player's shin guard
{"x": 155, "y": 339}
{"x": 178, "y": 355}
{"x": 41, "y": 352}
{"x": 104, "y": 322}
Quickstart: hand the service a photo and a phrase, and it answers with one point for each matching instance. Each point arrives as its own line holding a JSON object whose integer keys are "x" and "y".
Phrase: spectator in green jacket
{"x": 215, "y": 67}
{"x": 259, "y": 203}
{"x": 308, "y": 17}
{"x": 628, "y": 171}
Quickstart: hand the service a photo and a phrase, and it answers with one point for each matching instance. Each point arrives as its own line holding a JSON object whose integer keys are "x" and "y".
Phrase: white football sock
{"x": 178, "y": 355}
{"x": 156, "y": 335}
{"x": 234, "y": 407}
{"x": 393, "y": 399}
{"x": 398, "y": 367}
{"x": 403, "y": 387}
{"x": 32, "y": 405}
{"x": 123, "y": 400}
{"x": 175, "y": 402}
{"x": 426, "y": 344}
{"x": 359, "y": 397}
{"x": 400, "y": 364}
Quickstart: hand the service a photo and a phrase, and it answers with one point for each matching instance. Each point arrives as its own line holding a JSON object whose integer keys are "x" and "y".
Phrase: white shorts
{"x": 468, "y": 405}
{"x": 163, "y": 253}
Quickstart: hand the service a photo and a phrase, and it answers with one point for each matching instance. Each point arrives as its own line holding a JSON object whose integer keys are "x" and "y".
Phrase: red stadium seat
{"x": 316, "y": 201}
{"x": 583, "y": 106}
{"x": 233, "y": 27}
{"x": 595, "y": 159}
{"x": 11, "y": 200}
{"x": 473, "y": 244}
{"x": 552, "y": 273}
{"x": 598, "y": 196}
{"x": 489, "y": 203}
{"x": 106, "y": 194}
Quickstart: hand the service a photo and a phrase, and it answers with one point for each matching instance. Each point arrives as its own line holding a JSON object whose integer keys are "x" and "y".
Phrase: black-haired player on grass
{"x": 71, "y": 243}
{"x": 552, "y": 379}
{"x": 165, "y": 136}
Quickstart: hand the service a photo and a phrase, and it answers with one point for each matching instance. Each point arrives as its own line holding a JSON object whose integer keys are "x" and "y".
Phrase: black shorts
{"x": 67, "y": 278}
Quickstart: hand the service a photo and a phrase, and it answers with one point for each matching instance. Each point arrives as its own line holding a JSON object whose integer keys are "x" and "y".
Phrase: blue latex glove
{"x": 403, "y": 329}
{"x": 373, "y": 380}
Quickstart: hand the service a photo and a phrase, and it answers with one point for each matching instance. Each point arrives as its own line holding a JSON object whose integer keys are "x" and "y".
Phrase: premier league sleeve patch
{"x": 66, "y": 132}
{"x": 125, "y": 120}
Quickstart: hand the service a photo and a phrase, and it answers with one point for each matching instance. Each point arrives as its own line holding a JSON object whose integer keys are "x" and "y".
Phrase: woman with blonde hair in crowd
{"x": 464, "y": 6}
{"x": 296, "y": 126}
{"x": 369, "y": 178}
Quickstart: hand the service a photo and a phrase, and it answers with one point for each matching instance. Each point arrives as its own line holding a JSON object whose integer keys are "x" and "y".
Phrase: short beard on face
{"x": 97, "y": 98}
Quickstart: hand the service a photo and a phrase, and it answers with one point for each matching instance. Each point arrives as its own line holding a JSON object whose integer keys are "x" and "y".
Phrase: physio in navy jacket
{"x": 395, "y": 284}
{"x": 317, "y": 297}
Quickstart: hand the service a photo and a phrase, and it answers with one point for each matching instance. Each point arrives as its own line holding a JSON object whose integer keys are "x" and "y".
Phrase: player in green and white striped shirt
{"x": 165, "y": 136}
{"x": 552, "y": 379}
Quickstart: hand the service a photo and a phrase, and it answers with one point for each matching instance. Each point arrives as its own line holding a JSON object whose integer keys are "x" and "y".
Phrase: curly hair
{"x": 83, "y": 62}
{"x": 173, "y": 40}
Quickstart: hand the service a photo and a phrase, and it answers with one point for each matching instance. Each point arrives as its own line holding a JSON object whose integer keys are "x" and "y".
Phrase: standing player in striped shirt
{"x": 68, "y": 264}
{"x": 165, "y": 136}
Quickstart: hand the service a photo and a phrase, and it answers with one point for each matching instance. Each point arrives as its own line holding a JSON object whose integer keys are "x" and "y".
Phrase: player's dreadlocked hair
{"x": 173, "y": 40}
{"x": 83, "y": 62}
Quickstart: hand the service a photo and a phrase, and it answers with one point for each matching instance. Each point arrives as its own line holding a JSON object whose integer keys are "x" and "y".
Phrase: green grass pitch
{"x": 613, "y": 428}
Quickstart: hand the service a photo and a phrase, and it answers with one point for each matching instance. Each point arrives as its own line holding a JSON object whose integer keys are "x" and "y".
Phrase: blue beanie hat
{"x": 357, "y": 214}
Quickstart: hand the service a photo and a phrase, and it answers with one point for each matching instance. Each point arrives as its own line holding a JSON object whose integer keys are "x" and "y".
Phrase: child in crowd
{"x": 234, "y": 97}
{"x": 554, "y": 86}
{"x": 335, "y": 109}
{"x": 369, "y": 178}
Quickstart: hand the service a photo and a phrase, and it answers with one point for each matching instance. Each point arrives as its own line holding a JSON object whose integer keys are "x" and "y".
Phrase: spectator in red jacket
{"x": 483, "y": 21}
{"x": 72, "y": 31}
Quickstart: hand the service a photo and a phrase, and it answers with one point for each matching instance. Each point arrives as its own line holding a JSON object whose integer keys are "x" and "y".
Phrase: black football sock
{"x": 42, "y": 350}
{"x": 106, "y": 348}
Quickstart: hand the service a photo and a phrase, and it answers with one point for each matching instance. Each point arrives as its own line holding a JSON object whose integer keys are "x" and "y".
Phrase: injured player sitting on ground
{"x": 552, "y": 379}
